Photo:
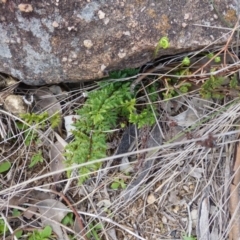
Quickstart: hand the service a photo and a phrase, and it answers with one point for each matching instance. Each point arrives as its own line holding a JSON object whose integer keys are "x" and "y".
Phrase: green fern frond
{"x": 100, "y": 114}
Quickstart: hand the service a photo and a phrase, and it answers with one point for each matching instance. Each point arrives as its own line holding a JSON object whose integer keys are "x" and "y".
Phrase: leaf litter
{"x": 181, "y": 175}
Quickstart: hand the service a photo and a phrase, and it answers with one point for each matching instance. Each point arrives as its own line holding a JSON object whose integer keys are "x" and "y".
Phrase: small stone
{"x": 73, "y": 55}
{"x": 186, "y": 188}
{"x": 25, "y": 7}
{"x": 151, "y": 199}
{"x": 64, "y": 59}
{"x": 10, "y": 81}
{"x": 103, "y": 67}
{"x": 101, "y": 14}
{"x": 127, "y": 33}
{"x": 106, "y": 21}
{"x": 186, "y": 16}
{"x": 215, "y": 16}
{"x": 72, "y": 28}
{"x": 175, "y": 209}
{"x": 15, "y": 105}
{"x": 184, "y": 25}
{"x": 121, "y": 54}
{"x": 55, "y": 24}
{"x": 87, "y": 43}
{"x": 191, "y": 187}
{"x": 164, "y": 219}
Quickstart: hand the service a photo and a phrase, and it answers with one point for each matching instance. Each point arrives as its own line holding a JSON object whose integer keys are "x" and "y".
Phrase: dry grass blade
{"x": 234, "y": 197}
{"x": 203, "y": 231}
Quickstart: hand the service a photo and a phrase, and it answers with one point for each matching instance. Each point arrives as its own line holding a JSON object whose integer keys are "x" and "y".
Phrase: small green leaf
{"x": 233, "y": 82}
{"x": 68, "y": 219}
{"x": 164, "y": 42}
{"x": 16, "y": 213}
{"x": 217, "y": 59}
{"x": 3, "y": 227}
{"x": 186, "y": 61}
{"x": 189, "y": 238}
{"x": 5, "y": 166}
{"x": 93, "y": 231}
{"x": 98, "y": 226}
{"x": 210, "y": 55}
{"x": 123, "y": 184}
{"x": 19, "y": 233}
{"x": 115, "y": 185}
{"x": 46, "y": 232}
{"x": 36, "y": 158}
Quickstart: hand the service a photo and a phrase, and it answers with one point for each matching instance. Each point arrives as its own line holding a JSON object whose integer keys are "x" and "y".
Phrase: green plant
{"x": 3, "y": 227}
{"x": 186, "y": 61}
{"x": 216, "y": 59}
{"x": 16, "y": 212}
{"x": 100, "y": 113}
{"x": 233, "y": 82}
{"x": 184, "y": 87}
{"x": 118, "y": 183}
{"x": 36, "y": 158}
{"x": 162, "y": 43}
{"x": 173, "y": 90}
{"x": 5, "y": 166}
{"x": 145, "y": 117}
{"x": 68, "y": 220}
{"x": 39, "y": 121}
{"x": 33, "y": 123}
{"x": 185, "y": 237}
{"x": 19, "y": 234}
{"x": 93, "y": 230}
{"x": 210, "y": 87}
{"x": 121, "y": 74}
{"x": 44, "y": 234}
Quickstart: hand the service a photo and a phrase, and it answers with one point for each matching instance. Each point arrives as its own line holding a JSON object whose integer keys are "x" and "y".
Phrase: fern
{"x": 100, "y": 114}
{"x": 210, "y": 88}
{"x": 85, "y": 148}
{"x": 142, "y": 119}
{"x": 233, "y": 82}
{"x": 35, "y": 122}
{"x": 122, "y": 74}
{"x": 39, "y": 121}
{"x": 104, "y": 102}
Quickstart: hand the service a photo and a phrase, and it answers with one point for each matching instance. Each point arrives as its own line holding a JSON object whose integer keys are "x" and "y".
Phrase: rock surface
{"x": 15, "y": 105}
{"x": 60, "y": 40}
